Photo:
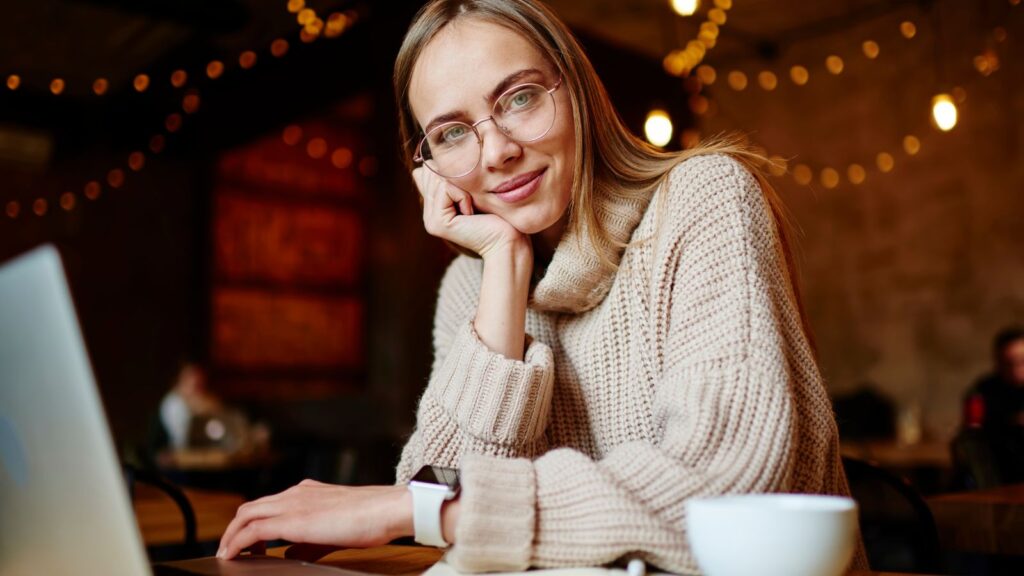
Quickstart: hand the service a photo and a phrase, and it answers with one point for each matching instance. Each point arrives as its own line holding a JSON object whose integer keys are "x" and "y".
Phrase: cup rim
{"x": 778, "y": 502}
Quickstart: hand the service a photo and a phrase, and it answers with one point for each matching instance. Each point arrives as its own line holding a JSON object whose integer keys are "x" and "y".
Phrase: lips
{"x": 517, "y": 182}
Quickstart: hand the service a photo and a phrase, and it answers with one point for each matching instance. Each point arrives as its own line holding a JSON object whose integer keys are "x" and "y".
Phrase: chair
{"x": 189, "y": 547}
{"x": 896, "y": 524}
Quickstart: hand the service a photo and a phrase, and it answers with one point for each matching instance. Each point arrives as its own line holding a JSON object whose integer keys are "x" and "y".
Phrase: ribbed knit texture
{"x": 684, "y": 373}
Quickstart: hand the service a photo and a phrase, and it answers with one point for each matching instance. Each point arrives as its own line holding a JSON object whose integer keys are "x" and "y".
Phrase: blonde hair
{"x": 610, "y": 160}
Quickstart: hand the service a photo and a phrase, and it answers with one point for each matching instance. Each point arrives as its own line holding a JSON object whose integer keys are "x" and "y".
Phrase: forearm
{"x": 500, "y": 319}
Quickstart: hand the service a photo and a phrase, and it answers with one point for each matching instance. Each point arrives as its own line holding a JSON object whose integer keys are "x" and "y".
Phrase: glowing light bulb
{"x": 685, "y": 7}
{"x": 658, "y": 128}
{"x": 944, "y": 112}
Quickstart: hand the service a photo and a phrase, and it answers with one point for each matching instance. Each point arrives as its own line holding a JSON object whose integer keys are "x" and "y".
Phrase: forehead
{"x": 463, "y": 63}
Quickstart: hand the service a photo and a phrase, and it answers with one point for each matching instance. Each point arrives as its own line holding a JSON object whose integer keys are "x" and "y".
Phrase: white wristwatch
{"x": 431, "y": 487}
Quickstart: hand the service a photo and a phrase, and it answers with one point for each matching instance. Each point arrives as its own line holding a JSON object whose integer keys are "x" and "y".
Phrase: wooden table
{"x": 414, "y": 560}
{"x": 892, "y": 454}
{"x": 160, "y": 519}
{"x": 986, "y": 521}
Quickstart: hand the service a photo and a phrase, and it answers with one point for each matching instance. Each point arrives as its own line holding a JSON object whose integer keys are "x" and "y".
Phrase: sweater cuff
{"x": 496, "y": 515}
{"x": 493, "y": 398}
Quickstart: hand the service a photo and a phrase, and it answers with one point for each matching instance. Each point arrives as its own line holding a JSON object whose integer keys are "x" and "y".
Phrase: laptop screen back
{"x": 63, "y": 504}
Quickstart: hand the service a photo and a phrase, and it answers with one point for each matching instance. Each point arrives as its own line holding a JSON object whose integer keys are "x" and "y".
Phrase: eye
{"x": 449, "y": 135}
{"x": 453, "y": 133}
{"x": 520, "y": 100}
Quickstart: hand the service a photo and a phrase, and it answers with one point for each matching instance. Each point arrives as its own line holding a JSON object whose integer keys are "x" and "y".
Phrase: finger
{"x": 253, "y": 532}
{"x": 247, "y": 513}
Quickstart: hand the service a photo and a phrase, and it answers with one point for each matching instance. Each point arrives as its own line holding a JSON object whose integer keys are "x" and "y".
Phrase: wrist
{"x": 449, "y": 519}
{"x": 518, "y": 249}
{"x": 402, "y": 522}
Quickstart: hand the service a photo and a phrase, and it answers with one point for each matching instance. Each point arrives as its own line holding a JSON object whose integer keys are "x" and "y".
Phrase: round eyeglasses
{"x": 524, "y": 113}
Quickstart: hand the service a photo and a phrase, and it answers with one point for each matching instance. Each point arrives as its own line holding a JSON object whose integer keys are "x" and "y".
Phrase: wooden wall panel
{"x": 274, "y": 331}
{"x": 294, "y": 245}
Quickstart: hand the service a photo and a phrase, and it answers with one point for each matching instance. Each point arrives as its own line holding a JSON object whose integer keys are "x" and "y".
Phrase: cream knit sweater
{"x": 685, "y": 373}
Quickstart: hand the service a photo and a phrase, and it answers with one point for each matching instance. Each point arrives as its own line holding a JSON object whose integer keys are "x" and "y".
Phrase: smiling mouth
{"x": 517, "y": 182}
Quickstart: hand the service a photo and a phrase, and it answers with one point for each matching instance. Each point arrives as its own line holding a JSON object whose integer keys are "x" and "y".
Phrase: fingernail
{"x": 221, "y": 553}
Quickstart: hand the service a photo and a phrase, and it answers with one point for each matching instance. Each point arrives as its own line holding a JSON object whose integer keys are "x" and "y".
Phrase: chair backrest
{"x": 895, "y": 522}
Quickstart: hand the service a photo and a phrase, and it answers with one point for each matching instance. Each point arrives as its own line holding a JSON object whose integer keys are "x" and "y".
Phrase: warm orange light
{"x": 173, "y": 122}
{"x": 279, "y": 47}
{"x": 737, "y": 80}
{"x": 13, "y": 209}
{"x": 885, "y": 162}
{"x": 178, "y": 78}
{"x": 306, "y": 37}
{"x": 911, "y": 144}
{"x": 57, "y": 86}
{"x": 115, "y": 178}
{"x": 136, "y": 161}
{"x": 214, "y": 69}
{"x": 767, "y": 80}
{"x": 799, "y": 75}
{"x": 871, "y": 49}
{"x": 777, "y": 165}
{"x": 13, "y": 81}
{"x": 40, "y": 207}
{"x": 100, "y": 86}
{"x": 296, "y": 5}
{"x": 92, "y": 190}
{"x": 690, "y": 138}
{"x": 315, "y": 26}
{"x": 707, "y": 74}
{"x": 834, "y": 64}
{"x": 316, "y": 148}
{"x": 829, "y": 178}
{"x": 908, "y": 29}
{"x": 305, "y": 16}
{"x": 685, "y": 7}
{"x": 802, "y": 174}
{"x": 292, "y": 135}
{"x": 190, "y": 103}
{"x": 658, "y": 127}
{"x": 336, "y": 24}
{"x": 674, "y": 63}
{"x": 341, "y": 158}
{"x": 67, "y": 201}
{"x": 247, "y": 59}
{"x": 944, "y": 112}
{"x": 717, "y": 15}
{"x": 141, "y": 82}
{"x": 156, "y": 144}
{"x": 724, "y": 4}
{"x": 856, "y": 173}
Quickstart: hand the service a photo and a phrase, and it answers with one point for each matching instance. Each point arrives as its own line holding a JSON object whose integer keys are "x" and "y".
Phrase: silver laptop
{"x": 64, "y": 507}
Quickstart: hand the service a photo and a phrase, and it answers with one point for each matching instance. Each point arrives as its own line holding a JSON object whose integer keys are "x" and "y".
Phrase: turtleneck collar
{"x": 575, "y": 280}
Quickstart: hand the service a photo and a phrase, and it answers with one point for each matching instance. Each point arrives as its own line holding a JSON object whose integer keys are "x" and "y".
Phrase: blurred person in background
{"x": 989, "y": 451}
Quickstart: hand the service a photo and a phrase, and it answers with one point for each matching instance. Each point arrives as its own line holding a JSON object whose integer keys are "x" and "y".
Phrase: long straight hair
{"x": 610, "y": 160}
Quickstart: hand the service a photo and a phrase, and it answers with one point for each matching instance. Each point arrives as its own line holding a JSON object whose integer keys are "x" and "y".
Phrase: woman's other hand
{"x": 448, "y": 213}
{"x": 318, "y": 513}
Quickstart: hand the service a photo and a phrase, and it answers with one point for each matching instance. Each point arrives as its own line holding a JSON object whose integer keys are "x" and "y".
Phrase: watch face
{"x": 438, "y": 475}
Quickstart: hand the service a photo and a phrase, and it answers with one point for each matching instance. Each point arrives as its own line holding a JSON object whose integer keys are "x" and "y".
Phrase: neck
{"x": 545, "y": 241}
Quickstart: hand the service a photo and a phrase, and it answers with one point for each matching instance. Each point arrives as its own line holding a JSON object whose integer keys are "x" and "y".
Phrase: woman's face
{"x": 457, "y": 76}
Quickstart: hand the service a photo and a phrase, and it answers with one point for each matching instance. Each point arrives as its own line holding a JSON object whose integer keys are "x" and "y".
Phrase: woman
{"x": 621, "y": 334}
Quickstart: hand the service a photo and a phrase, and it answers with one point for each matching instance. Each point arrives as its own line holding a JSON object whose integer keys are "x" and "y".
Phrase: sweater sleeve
{"x": 724, "y": 405}
{"x": 476, "y": 400}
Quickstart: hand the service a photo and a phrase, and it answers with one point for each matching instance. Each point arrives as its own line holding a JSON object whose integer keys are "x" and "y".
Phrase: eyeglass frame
{"x": 479, "y": 139}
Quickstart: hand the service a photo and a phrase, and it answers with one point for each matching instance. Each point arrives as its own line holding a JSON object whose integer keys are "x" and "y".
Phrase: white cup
{"x": 772, "y": 534}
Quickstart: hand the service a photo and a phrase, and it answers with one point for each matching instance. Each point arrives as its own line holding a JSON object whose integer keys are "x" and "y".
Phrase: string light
{"x": 737, "y": 80}
{"x": 944, "y": 113}
{"x": 316, "y": 148}
{"x": 247, "y": 59}
{"x": 856, "y": 174}
{"x": 279, "y": 47}
{"x": 911, "y": 144}
{"x": 214, "y": 69}
{"x": 871, "y": 49}
{"x": 179, "y": 78}
{"x": 908, "y": 29}
{"x": 341, "y": 158}
{"x": 13, "y": 209}
{"x": 136, "y": 161}
{"x": 767, "y": 80}
{"x": 40, "y": 207}
{"x": 141, "y": 82}
{"x": 13, "y": 82}
{"x": 67, "y": 201}
{"x": 834, "y": 64}
{"x": 829, "y": 178}
{"x": 885, "y": 162}
{"x": 658, "y": 127}
{"x": 681, "y": 62}
{"x": 799, "y": 75}
{"x": 100, "y": 86}
{"x": 57, "y": 86}
{"x": 92, "y": 190}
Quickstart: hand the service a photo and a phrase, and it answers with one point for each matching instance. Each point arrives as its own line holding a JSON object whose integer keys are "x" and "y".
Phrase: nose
{"x": 497, "y": 149}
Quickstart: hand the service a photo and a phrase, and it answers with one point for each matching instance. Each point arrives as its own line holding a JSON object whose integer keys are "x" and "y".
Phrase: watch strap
{"x": 426, "y": 515}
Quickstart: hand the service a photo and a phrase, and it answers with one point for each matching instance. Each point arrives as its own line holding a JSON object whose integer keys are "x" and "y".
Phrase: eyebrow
{"x": 509, "y": 81}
